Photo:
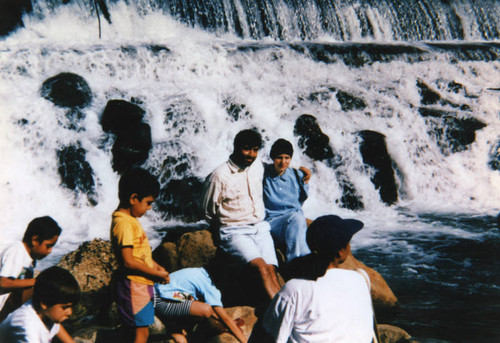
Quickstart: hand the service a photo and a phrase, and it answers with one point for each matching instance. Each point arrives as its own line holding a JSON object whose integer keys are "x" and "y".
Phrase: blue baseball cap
{"x": 331, "y": 233}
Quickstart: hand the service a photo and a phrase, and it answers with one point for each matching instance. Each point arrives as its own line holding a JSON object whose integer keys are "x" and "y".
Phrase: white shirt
{"x": 335, "y": 308}
{"x": 24, "y": 326}
{"x": 15, "y": 262}
{"x": 233, "y": 196}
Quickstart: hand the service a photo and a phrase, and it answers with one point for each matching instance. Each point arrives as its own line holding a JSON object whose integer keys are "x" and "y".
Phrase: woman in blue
{"x": 284, "y": 192}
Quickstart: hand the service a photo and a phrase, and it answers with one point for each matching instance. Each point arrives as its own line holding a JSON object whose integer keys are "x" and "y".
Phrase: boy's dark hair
{"x": 250, "y": 138}
{"x": 43, "y": 227}
{"x": 55, "y": 285}
{"x": 137, "y": 180}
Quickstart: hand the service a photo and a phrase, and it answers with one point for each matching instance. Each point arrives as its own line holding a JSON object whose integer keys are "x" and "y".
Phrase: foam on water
{"x": 195, "y": 75}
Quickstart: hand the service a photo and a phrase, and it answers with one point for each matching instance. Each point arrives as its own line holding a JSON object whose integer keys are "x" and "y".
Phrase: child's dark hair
{"x": 250, "y": 138}
{"x": 43, "y": 227}
{"x": 55, "y": 285}
{"x": 139, "y": 181}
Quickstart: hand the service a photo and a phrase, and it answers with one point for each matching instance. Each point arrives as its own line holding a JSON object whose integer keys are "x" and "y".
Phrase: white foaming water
{"x": 194, "y": 77}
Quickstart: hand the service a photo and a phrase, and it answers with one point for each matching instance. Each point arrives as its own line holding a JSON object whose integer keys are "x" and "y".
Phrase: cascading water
{"x": 424, "y": 74}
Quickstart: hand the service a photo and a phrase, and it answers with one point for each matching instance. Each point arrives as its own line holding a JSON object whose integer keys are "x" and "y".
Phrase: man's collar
{"x": 234, "y": 167}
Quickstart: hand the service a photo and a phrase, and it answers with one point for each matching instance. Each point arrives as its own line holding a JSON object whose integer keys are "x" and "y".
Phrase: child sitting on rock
{"x": 191, "y": 293}
{"x": 55, "y": 293}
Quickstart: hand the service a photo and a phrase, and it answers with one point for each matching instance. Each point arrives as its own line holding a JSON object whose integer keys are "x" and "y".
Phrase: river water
{"x": 202, "y": 71}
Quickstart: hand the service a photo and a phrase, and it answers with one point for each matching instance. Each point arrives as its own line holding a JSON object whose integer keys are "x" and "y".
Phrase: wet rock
{"x": 121, "y": 115}
{"x": 428, "y": 95}
{"x": 382, "y": 294}
{"x": 432, "y": 97}
{"x": 167, "y": 256}
{"x": 96, "y": 334}
{"x": 93, "y": 265}
{"x": 452, "y": 134}
{"x": 181, "y": 198}
{"x": 131, "y": 147}
{"x": 373, "y": 149}
{"x": 236, "y": 111}
{"x": 11, "y": 14}
{"x": 494, "y": 161}
{"x": 315, "y": 142}
{"x": 197, "y": 249}
{"x": 317, "y": 147}
{"x": 67, "y": 90}
{"x": 349, "y": 102}
{"x": 308, "y": 267}
{"x": 76, "y": 173}
{"x": 190, "y": 246}
{"x": 393, "y": 334}
{"x": 247, "y": 315}
{"x": 456, "y": 87}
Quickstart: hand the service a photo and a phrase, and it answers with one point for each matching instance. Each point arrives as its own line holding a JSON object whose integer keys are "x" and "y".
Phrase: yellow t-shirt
{"x": 127, "y": 231}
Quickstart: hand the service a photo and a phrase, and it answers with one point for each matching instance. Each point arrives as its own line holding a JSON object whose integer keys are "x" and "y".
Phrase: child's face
{"x": 57, "y": 313}
{"x": 41, "y": 249}
{"x": 140, "y": 207}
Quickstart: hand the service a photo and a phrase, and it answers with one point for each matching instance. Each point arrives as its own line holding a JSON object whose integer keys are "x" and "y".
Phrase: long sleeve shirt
{"x": 233, "y": 196}
{"x": 282, "y": 193}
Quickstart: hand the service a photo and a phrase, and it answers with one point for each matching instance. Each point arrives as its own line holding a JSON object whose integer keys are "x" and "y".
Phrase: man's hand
{"x": 307, "y": 174}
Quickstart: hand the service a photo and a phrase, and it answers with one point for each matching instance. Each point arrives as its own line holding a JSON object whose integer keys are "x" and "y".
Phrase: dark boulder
{"x": 76, "y": 173}
{"x": 317, "y": 147}
{"x": 236, "y": 111}
{"x": 432, "y": 97}
{"x": 494, "y": 162}
{"x": 428, "y": 95}
{"x": 315, "y": 142}
{"x": 67, "y": 90}
{"x": 349, "y": 102}
{"x": 181, "y": 198}
{"x": 452, "y": 133}
{"x": 131, "y": 147}
{"x": 120, "y": 115}
{"x": 195, "y": 248}
{"x": 373, "y": 149}
{"x": 11, "y": 13}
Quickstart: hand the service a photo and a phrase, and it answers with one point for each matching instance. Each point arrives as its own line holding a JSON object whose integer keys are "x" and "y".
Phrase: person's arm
{"x": 64, "y": 336}
{"x": 307, "y": 174}
{"x": 230, "y": 323}
{"x": 278, "y": 320}
{"x": 210, "y": 202}
{"x": 129, "y": 262}
{"x": 8, "y": 284}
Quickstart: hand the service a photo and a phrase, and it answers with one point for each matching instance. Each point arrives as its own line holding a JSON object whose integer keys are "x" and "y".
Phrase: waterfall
{"x": 343, "y": 81}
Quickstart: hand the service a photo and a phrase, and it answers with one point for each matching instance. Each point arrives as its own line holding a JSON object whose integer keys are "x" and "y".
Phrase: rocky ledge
{"x": 95, "y": 319}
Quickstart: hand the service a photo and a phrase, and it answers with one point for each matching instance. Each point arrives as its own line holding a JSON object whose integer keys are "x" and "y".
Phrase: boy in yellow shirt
{"x": 137, "y": 190}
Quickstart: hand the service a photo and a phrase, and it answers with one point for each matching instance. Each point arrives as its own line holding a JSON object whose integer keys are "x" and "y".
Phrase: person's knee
{"x": 261, "y": 266}
{"x": 297, "y": 218}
